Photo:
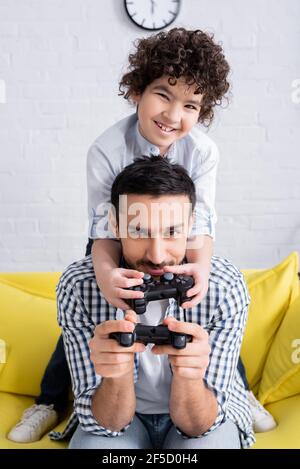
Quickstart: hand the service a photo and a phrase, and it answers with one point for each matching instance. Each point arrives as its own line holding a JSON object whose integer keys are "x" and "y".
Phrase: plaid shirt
{"x": 222, "y": 313}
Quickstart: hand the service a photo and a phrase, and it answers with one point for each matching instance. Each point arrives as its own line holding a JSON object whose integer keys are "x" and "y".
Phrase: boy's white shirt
{"x": 121, "y": 144}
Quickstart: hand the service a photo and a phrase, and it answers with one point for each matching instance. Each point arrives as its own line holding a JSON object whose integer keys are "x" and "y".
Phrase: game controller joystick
{"x": 159, "y": 335}
{"x": 168, "y": 286}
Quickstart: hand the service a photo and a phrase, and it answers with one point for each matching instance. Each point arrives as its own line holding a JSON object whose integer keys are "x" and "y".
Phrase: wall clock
{"x": 152, "y": 14}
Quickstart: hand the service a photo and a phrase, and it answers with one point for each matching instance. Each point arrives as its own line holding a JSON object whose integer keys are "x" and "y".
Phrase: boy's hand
{"x": 192, "y": 361}
{"x": 114, "y": 282}
{"x": 200, "y": 281}
{"x": 109, "y": 358}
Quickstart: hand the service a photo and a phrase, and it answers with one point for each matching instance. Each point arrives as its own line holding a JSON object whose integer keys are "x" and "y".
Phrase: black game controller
{"x": 159, "y": 335}
{"x": 168, "y": 286}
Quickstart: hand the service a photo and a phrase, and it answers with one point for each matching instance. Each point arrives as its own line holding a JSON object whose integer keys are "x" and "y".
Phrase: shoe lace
{"x": 34, "y": 415}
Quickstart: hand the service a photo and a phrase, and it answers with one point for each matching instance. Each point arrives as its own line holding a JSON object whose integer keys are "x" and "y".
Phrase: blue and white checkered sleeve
{"x": 77, "y": 332}
{"x": 225, "y": 338}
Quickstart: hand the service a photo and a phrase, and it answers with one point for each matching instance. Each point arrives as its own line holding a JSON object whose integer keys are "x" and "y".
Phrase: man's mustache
{"x": 154, "y": 267}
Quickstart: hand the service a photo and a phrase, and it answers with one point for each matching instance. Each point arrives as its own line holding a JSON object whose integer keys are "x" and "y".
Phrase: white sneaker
{"x": 263, "y": 421}
{"x": 35, "y": 422}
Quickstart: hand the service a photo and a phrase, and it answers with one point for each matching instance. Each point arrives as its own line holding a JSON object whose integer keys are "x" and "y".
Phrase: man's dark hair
{"x": 179, "y": 53}
{"x": 154, "y": 176}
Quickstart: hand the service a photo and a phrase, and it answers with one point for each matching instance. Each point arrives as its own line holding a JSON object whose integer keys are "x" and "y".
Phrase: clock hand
{"x": 152, "y": 6}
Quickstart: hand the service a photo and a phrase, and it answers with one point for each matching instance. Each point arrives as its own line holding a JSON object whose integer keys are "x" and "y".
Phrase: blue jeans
{"x": 157, "y": 432}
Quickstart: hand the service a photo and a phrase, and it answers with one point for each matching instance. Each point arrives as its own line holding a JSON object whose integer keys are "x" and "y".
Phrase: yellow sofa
{"x": 29, "y": 331}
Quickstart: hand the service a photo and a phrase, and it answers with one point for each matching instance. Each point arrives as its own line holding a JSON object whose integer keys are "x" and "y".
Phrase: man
{"x": 155, "y": 396}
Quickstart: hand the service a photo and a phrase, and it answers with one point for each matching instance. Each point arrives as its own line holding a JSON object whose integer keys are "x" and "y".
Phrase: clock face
{"x": 152, "y": 14}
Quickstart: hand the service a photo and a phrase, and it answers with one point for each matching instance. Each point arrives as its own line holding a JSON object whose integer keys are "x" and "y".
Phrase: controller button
{"x": 147, "y": 278}
{"x": 168, "y": 276}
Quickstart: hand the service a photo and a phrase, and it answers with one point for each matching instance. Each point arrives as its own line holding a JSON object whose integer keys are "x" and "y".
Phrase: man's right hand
{"x": 114, "y": 282}
{"x": 110, "y": 359}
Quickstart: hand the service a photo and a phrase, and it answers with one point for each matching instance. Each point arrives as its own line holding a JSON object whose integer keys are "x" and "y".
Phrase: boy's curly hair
{"x": 179, "y": 53}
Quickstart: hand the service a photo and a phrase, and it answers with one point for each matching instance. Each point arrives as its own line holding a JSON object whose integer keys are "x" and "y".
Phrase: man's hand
{"x": 114, "y": 282}
{"x": 110, "y": 359}
{"x": 192, "y": 361}
{"x": 199, "y": 290}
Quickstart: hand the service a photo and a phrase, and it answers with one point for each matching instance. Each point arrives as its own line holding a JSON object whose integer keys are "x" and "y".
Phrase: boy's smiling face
{"x": 167, "y": 113}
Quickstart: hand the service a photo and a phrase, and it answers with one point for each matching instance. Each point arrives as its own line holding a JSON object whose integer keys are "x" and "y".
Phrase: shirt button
{"x": 154, "y": 151}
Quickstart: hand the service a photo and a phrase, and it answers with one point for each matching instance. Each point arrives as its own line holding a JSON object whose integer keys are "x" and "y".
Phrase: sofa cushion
{"x": 29, "y": 328}
{"x": 271, "y": 291}
{"x": 281, "y": 375}
{"x": 37, "y": 283}
{"x": 287, "y": 433}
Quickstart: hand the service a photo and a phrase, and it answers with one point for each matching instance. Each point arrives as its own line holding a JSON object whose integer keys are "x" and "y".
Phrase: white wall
{"x": 60, "y": 61}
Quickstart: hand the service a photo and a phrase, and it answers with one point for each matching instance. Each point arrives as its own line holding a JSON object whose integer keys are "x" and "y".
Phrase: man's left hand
{"x": 192, "y": 361}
